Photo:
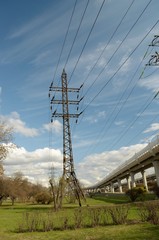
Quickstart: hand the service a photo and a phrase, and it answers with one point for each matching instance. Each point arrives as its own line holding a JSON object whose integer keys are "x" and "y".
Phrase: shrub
{"x": 119, "y": 214}
{"x": 78, "y": 218}
{"x": 136, "y": 192}
{"x": 95, "y": 214}
{"x": 150, "y": 212}
{"x": 43, "y": 197}
{"x": 155, "y": 189}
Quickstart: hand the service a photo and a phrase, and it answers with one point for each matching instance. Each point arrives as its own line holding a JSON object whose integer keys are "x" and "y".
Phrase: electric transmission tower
{"x": 68, "y": 162}
{"x": 154, "y": 60}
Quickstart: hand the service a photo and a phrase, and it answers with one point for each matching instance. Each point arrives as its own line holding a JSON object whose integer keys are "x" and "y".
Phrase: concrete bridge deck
{"x": 146, "y": 158}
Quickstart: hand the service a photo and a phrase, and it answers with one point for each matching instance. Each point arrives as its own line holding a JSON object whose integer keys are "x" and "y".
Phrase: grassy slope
{"x": 9, "y": 216}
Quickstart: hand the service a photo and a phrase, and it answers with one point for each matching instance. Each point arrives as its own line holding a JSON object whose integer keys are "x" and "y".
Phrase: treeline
{"x": 19, "y": 188}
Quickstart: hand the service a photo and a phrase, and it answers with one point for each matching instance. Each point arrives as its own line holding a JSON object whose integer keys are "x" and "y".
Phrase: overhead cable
{"x": 67, "y": 31}
{"x": 103, "y": 132}
{"x": 76, "y": 34}
{"x": 101, "y": 54}
{"x": 87, "y": 40}
{"x": 103, "y": 87}
{"x": 138, "y": 116}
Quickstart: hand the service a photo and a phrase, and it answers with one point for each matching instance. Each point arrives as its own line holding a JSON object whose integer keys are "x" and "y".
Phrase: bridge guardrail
{"x": 136, "y": 157}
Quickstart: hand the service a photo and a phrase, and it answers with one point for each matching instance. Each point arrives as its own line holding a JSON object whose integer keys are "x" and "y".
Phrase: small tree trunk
{"x": 1, "y": 200}
{"x": 12, "y": 200}
{"x": 53, "y": 194}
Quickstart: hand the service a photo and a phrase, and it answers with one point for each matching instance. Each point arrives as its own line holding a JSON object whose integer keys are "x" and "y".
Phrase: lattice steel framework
{"x": 68, "y": 163}
{"x": 154, "y": 60}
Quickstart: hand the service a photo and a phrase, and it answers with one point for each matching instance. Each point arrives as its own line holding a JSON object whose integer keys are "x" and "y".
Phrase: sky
{"x": 103, "y": 46}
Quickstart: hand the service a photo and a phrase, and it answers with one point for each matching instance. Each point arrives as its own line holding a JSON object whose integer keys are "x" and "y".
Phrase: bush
{"x": 156, "y": 190}
{"x": 43, "y": 197}
{"x": 78, "y": 218}
{"x": 149, "y": 212}
{"x": 119, "y": 214}
{"x": 90, "y": 217}
{"x": 136, "y": 192}
{"x": 95, "y": 215}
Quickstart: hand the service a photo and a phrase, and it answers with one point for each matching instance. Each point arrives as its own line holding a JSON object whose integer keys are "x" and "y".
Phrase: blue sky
{"x": 119, "y": 117}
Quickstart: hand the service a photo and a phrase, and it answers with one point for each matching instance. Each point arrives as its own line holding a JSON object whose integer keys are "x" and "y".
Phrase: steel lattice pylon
{"x": 68, "y": 163}
{"x": 154, "y": 60}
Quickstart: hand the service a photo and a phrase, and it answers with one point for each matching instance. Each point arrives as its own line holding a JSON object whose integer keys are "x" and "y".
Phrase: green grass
{"x": 122, "y": 232}
{"x": 11, "y": 216}
{"x": 119, "y": 199}
{"x": 111, "y": 199}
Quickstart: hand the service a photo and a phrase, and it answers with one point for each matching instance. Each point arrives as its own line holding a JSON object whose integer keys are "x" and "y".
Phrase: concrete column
{"x": 133, "y": 184}
{"x": 144, "y": 180}
{"x": 112, "y": 187}
{"x": 128, "y": 182}
{"x": 120, "y": 186}
{"x": 156, "y": 167}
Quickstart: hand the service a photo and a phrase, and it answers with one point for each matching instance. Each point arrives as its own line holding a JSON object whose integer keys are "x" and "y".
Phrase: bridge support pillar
{"x": 112, "y": 187}
{"x": 156, "y": 167}
{"x": 144, "y": 180}
{"x": 133, "y": 184}
{"x": 128, "y": 182}
{"x": 120, "y": 186}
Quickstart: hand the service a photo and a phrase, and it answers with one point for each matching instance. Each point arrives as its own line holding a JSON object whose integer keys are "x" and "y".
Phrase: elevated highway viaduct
{"x": 146, "y": 158}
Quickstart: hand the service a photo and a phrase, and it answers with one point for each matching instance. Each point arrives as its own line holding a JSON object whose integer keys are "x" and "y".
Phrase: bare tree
{"x": 57, "y": 187}
{"x": 5, "y": 137}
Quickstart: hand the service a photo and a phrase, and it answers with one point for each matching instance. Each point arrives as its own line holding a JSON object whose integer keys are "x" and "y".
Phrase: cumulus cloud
{"x": 97, "y": 166}
{"x": 34, "y": 165}
{"x": 13, "y": 120}
{"x": 152, "y": 128}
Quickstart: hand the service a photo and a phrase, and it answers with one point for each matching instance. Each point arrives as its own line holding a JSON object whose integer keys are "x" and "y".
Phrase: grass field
{"x": 10, "y": 217}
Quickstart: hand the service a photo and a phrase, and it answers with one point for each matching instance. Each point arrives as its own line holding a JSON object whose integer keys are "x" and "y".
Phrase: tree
{"x": 57, "y": 188}
{"x": 17, "y": 187}
{"x": 2, "y": 190}
{"x": 5, "y": 137}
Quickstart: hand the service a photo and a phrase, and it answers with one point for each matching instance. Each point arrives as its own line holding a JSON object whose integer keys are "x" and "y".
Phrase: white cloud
{"x": 56, "y": 126}
{"x": 33, "y": 36}
{"x": 102, "y": 114}
{"x": 96, "y": 117}
{"x": 119, "y": 123}
{"x": 42, "y": 58}
{"x": 35, "y": 165}
{"x": 152, "y": 128}
{"x": 95, "y": 167}
{"x": 31, "y": 25}
{"x": 13, "y": 120}
{"x": 127, "y": 65}
{"x": 151, "y": 83}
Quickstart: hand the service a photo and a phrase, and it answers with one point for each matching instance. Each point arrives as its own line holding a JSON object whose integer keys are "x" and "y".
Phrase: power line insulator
{"x": 155, "y": 41}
